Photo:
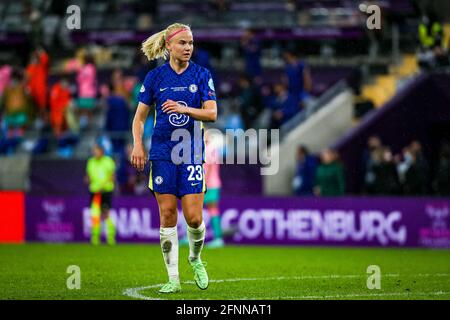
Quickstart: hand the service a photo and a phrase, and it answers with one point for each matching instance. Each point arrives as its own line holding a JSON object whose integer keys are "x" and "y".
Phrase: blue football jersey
{"x": 190, "y": 88}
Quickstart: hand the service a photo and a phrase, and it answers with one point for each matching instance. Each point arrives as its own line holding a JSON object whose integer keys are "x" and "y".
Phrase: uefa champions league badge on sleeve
{"x": 211, "y": 84}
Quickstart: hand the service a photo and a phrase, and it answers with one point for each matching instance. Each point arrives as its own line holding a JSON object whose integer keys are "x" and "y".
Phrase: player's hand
{"x": 172, "y": 106}
{"x": 138, "y": 157}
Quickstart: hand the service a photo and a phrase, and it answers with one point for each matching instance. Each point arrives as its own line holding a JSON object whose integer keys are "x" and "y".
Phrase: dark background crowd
{"x": 385, "y": 173}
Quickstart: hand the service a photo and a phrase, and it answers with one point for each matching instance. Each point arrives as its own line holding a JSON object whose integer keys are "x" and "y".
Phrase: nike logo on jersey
{"x": 162, "y": 89}
{"x": 194, "y": 184}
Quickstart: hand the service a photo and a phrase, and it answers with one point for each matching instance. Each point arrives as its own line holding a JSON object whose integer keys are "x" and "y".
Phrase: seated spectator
{"x": 303, "y": 182}
{"x": 329, "y": 180}
{"x": 442, "y": 181}
{"x": 16, "y": 106}
{"x": 249, "y": 101}
{"x": 117, "y": 120}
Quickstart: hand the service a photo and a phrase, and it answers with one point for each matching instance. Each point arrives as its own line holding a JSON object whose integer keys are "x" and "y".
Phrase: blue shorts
{"x": 176, "y": 179}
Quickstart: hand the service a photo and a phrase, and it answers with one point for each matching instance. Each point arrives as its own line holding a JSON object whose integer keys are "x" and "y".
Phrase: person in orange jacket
{"x": 60, "y": 98}
{"x": 37, "y": 76}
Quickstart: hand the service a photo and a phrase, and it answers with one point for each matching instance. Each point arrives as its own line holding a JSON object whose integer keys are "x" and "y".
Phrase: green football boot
{"x": 172, "y": 286}
{"x": 200, "y": 274}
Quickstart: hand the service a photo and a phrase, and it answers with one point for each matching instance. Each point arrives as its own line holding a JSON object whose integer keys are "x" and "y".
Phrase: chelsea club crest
{"x": 193, "y": 88}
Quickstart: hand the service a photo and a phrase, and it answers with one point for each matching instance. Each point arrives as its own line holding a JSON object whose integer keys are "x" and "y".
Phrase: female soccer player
{"x": 183, "y": 94}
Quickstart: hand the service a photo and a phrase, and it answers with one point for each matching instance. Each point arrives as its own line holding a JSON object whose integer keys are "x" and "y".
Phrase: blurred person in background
{"x": 284, "y": 107}
{"x": 118, "y": 84}
{"x": 87, "y": 90}
{"x": 37, "y": 78}
{"x": 249, "y": 102}
{"x": 214, "y": 184}
{"x": 416, "y": 147}
{"x": 412, "y": 173}
{"x": 303, "y": 182}
{"x": 329, "y": 180}
{"x": 117, "y": 121}
{"x": 15, "y": 105}
{"x": 100, "y": 172}
{"x": 60, "y": 99}
{"x": 212, "y": 194}
{"x": 431, "y": 36}
{"x": 298, "y": 77}
{"x": 381, "y": 176}
{"x": 442, "y": 181}
{"x": 234, "y": 119}
{"x": 373, "y": 142}
{"x": 252, "y": 54}
{"x": 5, "y": 77}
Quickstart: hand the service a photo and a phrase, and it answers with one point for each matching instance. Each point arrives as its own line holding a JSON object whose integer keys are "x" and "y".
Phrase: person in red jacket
{"x": 37, "y": 76}
{"x": 60, "y": 98}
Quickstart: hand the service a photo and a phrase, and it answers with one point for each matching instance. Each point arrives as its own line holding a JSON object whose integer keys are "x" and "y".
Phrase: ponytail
{"x": 155, "y": 46}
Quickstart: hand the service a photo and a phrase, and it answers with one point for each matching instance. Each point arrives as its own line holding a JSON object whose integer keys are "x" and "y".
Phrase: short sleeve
{"x": 146, "y": 94}
{"x": 207, "y": 90}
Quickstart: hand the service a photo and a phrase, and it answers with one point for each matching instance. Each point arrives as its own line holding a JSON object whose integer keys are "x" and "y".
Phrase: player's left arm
{"x": 208, "y": 112}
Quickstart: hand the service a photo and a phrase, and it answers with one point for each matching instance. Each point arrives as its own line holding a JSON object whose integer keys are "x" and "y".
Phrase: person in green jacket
{"x": 330, "y": 179}
{"x": 100, "y": 176}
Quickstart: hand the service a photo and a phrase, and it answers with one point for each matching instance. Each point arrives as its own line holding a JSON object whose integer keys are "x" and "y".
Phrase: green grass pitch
{"x": 39, "y": 271}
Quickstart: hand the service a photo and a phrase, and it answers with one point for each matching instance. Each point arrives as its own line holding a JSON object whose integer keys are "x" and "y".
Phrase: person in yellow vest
{"x": 431, "y": 33}
{"x": 101, "y": 175}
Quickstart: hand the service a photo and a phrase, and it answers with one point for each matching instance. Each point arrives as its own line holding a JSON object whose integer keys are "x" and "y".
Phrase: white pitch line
{"x": 135, "y": 292}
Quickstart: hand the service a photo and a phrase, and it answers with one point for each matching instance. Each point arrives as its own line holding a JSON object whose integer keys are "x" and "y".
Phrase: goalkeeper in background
{"x": 100, "y": 177}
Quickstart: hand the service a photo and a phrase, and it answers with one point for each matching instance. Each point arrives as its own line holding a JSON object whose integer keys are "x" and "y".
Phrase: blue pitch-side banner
{"x": 399, "y": 222}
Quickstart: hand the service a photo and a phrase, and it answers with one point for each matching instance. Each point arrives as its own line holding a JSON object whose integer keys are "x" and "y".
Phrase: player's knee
{"x": 168, "y": 216}
{"x": 194, "y": 222}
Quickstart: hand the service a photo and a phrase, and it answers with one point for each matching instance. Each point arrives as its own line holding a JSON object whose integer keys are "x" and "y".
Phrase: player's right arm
{"x": 138, "y": 156}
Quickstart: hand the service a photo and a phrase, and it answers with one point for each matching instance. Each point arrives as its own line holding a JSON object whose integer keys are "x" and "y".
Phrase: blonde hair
{"x": 155, "y": 46}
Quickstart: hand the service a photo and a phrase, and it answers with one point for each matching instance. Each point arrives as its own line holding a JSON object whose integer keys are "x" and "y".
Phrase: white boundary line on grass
{"x": 135, "y": 292}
